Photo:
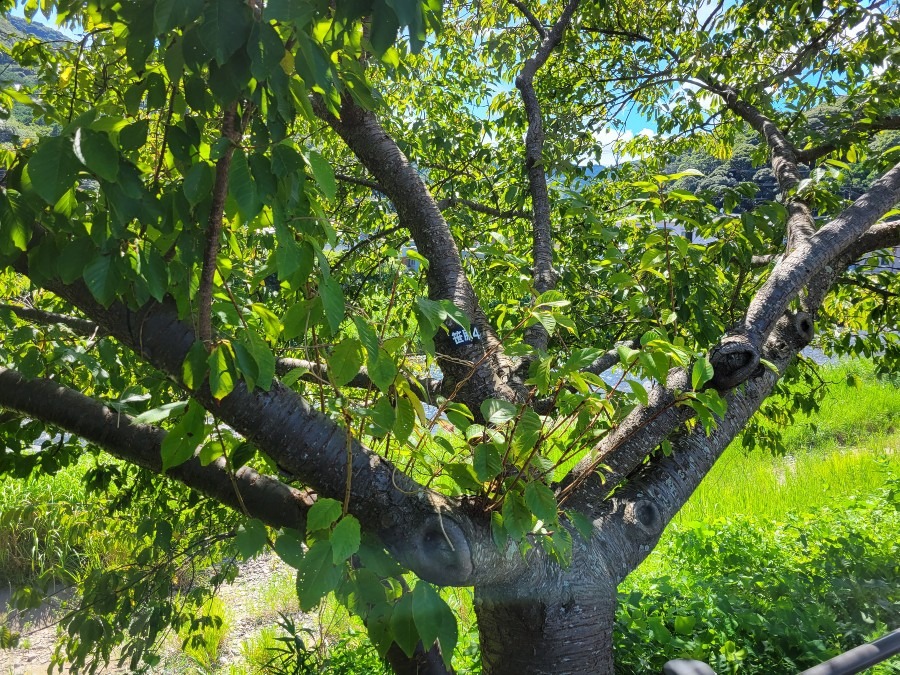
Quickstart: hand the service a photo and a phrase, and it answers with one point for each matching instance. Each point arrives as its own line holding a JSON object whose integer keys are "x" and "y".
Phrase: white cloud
{"x": 611, "y": 142}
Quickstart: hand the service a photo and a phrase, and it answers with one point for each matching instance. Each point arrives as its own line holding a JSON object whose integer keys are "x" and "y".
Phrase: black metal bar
{"x": 859, "y": 658}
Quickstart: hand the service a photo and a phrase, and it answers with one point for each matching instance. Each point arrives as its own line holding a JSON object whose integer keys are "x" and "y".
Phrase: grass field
{"x": 849, "y": 447}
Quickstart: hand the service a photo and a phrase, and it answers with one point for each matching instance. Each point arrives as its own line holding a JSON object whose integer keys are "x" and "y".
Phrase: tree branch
{"x": 477, "y": 207}
{"x": 798, "y": 267}
{"x": 480, "y": 367}
{"x": 610, "y": 358}
{"x": 886, "y": 123}
{"x": 861, "y": 281}
{"x": 442, "y": 204}
{"x": 649, "y": 501}
{"x": 531, "y": 18}
{"x": 542, "y": 251}
{"x": 879, "y": 236}
{"x": 44, "y": 318}
{"x": 230, "y": 131}
{"x": 318, "y": 373}
{"x": 625, "y": 447}
{"x": 264, "y": 497}
{"x": 426, "y": 531}
{"x": 800, "y": 222}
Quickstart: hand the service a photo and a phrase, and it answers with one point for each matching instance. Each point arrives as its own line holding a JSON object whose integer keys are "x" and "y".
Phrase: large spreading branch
{"x": 800, "y": 221}
{"x": 316, "y": 373}
{"x": 625, "y": 448}
{"x": 658, "y": 490}
{"x": 258, "y": 495}
{"x": 426, "y": 531}
{"x": 542, "y": 247}
{"x": 800, "y": 266}
{"x": 479, "y": 368}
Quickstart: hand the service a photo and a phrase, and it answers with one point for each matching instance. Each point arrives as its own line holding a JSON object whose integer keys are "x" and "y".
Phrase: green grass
{"x": 850, "y": 447}
{"x": 857, "y": 407}
{"x": 47, "y": 527}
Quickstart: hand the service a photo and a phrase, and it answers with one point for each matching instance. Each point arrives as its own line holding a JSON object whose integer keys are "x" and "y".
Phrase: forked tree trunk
{"x": 524, "y": 635}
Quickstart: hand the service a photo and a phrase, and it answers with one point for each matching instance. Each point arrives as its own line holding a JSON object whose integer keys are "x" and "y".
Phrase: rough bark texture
{"x": 474, "y": 371}
{"x": 423, "y": 529}
{"x": 529, "y": 635}
{"x": 263, "y": 497}
{"x": 542, "y": 238}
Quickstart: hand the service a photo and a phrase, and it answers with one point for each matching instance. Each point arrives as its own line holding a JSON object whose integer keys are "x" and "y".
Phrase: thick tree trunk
{"x": 523, "y": 635}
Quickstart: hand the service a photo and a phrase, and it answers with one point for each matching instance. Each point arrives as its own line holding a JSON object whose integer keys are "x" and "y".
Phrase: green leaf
{"x": 286, "y": 161}
{"x": 251, "y": 538}
{"x": 517, "y": 518}
{"x": 317, "y": 575}
{"x": 270, "y": 321}
{"x": 195, "y": 367}
{"x": 155, "y": 273}
{"x": 225, "y": 28}
{"x": 582, "y": 523}
{"x": 639, "y": 391}
{"x": 701, "y": 373}
{"x": 266, "y": 50}
{"x": 53, "y": 168}
{"x": 345, "y": 539}
{"x": 134, "y": 136}
{"x": 487, "y": 462}
{"x": 298, "y": 12}
{"x": 78, "y": 254}
{"x": 368, "y": 336}
{"x": 198, "y": 183}
{"x": 295, "y": 320}
{"x": 385, "y": 26}
{"x": 221, "y": 371}
{"x": 242, "y": 188}
{"x": 406, "y": 419}
{"x": 541, "y": 500}
{"x": 496, "y": 411}
{"x": 264, "y": 358}
{"x": 15, "y": 231}
{"x": 464, "y": 476}
{"x": 322, "y": 514}
{"x": 323, "y": 173}
{"x": 162, "y": 412}
{"x": 181, "y": 442}
{"x": 383, "y": 371}
{"x": 459, "y": 415}
{"x": 383, "y": 417}
{"x": 434, "y": 619}
{"x": 102, "y": 278}
{"x": 684, "y": 625}
{"x": 627, "y": 355}
{"x": 169, "y": 14}
{"x": 345, "y": 361}
{"x": 210, "y": 452}
{"x": 289, "y": 547}
{"x": 332, "y": 301}
{"x": 403, "y": 625}
{"x": 95, "y": 151}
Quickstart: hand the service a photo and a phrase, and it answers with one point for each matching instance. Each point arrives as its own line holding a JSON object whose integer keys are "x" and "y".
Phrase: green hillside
{"x": 14, "y": 29}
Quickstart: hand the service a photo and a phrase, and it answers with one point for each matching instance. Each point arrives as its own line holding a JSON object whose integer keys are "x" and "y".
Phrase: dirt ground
{"x": 242, "y": 601}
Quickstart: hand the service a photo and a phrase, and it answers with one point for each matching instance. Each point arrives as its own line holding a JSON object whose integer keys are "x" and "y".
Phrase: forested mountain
{"x": 14, "y": 30}
{"x": 747, "y": 162}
